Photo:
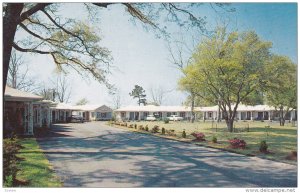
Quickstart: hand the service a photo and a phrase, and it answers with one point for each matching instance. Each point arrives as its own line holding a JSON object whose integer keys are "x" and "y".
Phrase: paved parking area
{"x": 96, "y": 155}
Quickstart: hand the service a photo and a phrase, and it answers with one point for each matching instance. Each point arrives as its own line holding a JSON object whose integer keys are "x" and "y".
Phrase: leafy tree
{"x": 82, "y": 101}
{"x": 74, "y": 44}
{"x": 281, "y": 89}
{"x": 226, "y": 69}
{"x": 139, "y": 92}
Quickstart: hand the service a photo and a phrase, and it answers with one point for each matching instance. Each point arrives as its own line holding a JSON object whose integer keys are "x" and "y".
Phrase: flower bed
{"x": 237, "y": 143}
{"x": 198, "y": 136}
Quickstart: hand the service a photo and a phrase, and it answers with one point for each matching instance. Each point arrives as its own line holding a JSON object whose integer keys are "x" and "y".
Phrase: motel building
{"x": 61, "y": 112}
{"x": 141, "y": 112}
{"x": 93, "y": 112}
{"x": 244, "y": 112}
{"x": 24, "y": 112}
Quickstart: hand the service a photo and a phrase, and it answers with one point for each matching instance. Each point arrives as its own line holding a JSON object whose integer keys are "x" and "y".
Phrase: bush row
{"x": 235, "y": 143}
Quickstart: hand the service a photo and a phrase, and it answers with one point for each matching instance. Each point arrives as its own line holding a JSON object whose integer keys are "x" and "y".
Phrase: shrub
{"x": 163, "y": 131}
{"x": 10, "y": 148}
{"x": 130, "y": 126}
{"x": 166, "y": 120}
{"x": 8, "y": 181}
{"x": 292, "y": 155}
{"x": 146, "y": 128}
{"x": 123, "y": 124}
{"x": 214, "y": 139}
{"x": 237, "y": 143}
{"x": 263, "y": 147}
{"x": 141, "y": 127}
{"x": 171, "y": 132}
{"x": 199, "y": 136}
{"x": 135, "y": 126}
{"x": 183, "y": 134}
{"x": 155, "y": 129}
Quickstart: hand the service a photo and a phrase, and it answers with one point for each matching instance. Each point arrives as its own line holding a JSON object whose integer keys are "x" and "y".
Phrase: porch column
{"x": 40, "y": 116}
{"x": 25, "y": 118}
{"x": 240, "y": 115}
{"x": 251, "y": 116}
{"x": 30, "y": 119}
{"x": 204, "y": 115}
{"x": 65, "y": 119}
{"x": 269, "y": 115}
{"x": 49, "y": 114}
{"x": 263, "y": 115}
{"x": 292, "y": 115}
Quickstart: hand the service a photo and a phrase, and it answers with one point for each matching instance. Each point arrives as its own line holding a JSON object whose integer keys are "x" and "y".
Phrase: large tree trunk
{"x": 229, "y": 118}
{"x": 229, "y": 123}
{"x": 10, "y": 23}
{"x": 219, "y": 112}
{"x": 282, "y": 117}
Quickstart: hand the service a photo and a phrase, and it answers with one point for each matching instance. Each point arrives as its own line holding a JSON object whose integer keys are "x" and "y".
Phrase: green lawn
{"x": 281, "y": 140}
{"x": 34, "y": 168}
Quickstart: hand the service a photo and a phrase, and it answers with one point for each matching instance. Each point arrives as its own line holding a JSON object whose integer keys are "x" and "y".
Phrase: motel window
{"x": 168, "y": 114}
{"x": 103, "y": 115}
{"x": 123, "y": 114}
{"x": 210, "y": 114}
{"x": 98, "y": 115}
{"x": 93, "y": 114}
{"x": 182, "y": 114}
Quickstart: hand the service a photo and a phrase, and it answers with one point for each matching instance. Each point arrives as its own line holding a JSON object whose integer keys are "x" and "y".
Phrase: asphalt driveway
{"x": 96, "y": 155}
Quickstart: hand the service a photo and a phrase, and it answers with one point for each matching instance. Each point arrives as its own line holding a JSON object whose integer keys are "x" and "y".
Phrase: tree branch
{"x": 30, "y": 50}
{"x": 36, "y": 8}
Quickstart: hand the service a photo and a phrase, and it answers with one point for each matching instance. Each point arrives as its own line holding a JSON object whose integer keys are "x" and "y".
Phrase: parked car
{"x": 76, "y": 118}
{"x": 150, "y": 118}
{"x": 175, "y": 118}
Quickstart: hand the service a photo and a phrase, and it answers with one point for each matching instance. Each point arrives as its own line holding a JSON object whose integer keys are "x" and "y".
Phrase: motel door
{"x": 87, "y": 116}
{"x": 53, "y": 116}
{"x": 136, "y": 115}
{"x": 131, "y": 116}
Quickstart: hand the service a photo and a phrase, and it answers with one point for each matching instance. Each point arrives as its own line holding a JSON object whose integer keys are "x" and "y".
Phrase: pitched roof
{"x": 93, "y": 107}
{"x": 12, "y": 94}
{"x": 64, "y": 106}
{"x": 153, "y": 108}
{"x": 241, "y": 107}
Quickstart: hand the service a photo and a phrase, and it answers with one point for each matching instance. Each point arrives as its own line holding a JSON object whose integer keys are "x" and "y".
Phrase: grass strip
{"x": 34, "y": 168}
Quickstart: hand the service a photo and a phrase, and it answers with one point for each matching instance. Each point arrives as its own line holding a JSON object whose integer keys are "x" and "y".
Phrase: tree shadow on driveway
{"x": 117, "y": 158}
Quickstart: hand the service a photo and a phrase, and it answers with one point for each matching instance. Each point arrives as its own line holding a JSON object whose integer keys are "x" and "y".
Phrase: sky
{"x": 141, "y": 58}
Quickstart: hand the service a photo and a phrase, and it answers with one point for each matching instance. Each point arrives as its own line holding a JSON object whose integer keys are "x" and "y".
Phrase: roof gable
{"x": 103, "y": 108}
